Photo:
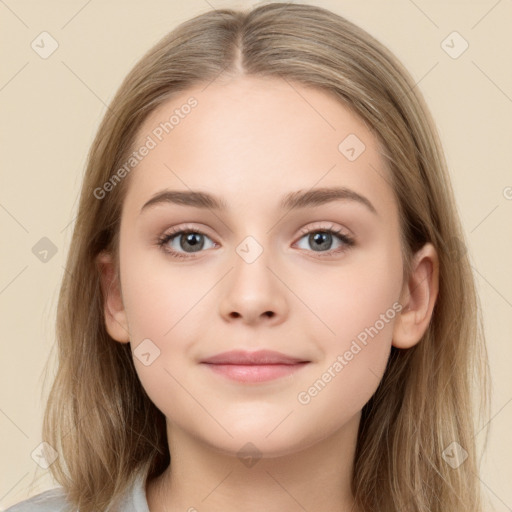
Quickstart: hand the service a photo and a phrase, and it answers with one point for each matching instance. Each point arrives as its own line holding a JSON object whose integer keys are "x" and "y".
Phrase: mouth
{"x": 261, "y": 366}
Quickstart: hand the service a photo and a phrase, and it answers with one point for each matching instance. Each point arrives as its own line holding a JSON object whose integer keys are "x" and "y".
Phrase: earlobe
{"x": 113, "y": 308}
{"x": 418, "y": 298}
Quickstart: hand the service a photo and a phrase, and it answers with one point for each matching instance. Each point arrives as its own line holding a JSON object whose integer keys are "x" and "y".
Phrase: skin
{"x": 251, "y": 141}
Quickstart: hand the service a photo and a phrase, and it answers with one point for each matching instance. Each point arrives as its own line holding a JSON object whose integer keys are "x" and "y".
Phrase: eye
{"x": 190, "y": 240}
{"x": 187, "y": 241}
{"x": 322, "y": 238}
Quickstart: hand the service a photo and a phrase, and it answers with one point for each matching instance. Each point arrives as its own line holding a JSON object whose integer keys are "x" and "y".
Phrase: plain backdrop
{"x": 50, "y": 110}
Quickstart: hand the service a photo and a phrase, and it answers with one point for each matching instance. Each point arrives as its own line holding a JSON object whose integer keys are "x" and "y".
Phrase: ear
{"x": 115, "y": 316}
{"x": 418, "y": 298}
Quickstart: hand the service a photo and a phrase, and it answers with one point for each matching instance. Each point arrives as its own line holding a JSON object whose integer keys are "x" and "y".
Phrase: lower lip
{"x": 254, "y": 372}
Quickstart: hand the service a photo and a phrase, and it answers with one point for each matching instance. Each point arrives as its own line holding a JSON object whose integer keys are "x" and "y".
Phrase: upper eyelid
{"x": 180, "y": 229}
{"x": 307, "y": 227}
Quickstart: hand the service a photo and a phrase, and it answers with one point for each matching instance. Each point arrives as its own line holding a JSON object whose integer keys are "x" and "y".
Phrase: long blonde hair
{"x": 98, "y": 416}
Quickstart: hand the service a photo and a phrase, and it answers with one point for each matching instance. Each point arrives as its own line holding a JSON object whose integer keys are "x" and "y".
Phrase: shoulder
{"x": 53, "y": 500}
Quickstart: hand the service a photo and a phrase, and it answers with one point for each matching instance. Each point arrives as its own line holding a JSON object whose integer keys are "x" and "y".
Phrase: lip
{"x": 260, "y": 366}
{"x": 260, "y": 357}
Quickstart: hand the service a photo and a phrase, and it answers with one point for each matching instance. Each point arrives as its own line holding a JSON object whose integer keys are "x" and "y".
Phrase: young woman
{"x": 267, "y": 304}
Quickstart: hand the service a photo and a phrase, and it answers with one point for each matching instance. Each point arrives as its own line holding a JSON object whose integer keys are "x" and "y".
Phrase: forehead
{"x": 250, "y": 139}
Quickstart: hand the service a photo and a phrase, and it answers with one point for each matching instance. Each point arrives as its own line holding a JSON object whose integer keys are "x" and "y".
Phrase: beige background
{"x": 50, "y": 109}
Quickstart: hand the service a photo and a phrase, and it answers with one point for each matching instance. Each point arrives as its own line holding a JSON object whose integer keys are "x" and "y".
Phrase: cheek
{"x": 159, "y": 310}
{"x": 353, "y": 364}
{"x": 355, "y": 311}
{"x": 160, "y": 298}
{"x": 348, "y": 300}
{"x": 164, "y": 305}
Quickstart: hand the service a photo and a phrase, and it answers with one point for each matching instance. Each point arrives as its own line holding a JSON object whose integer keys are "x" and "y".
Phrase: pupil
{"x": 192, "y": 240}
{"x": 319, "y": 237}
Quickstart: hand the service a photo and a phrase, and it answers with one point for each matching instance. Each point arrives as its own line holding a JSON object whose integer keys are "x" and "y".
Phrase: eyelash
{"x": 348, "y": 241}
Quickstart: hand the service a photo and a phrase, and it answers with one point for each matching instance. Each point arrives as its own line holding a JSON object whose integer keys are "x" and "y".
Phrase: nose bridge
{"x": 255, "y": 236}
{"x": 252, "y": 290}
{"x": 259, "y": 242}
{"x": 253, "y": 259}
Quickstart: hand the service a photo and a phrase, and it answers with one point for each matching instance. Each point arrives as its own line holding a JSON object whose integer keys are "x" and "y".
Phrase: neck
{"x": 317, "y": 477}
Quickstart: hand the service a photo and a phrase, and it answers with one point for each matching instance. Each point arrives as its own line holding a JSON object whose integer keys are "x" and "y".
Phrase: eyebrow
{"x": 292, "y": 201}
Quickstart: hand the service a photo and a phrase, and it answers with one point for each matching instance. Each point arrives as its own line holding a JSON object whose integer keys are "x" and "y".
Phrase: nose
{"x": 253, "y": 293}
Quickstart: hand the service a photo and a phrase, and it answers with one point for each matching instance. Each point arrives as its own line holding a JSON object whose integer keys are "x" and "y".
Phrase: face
{"x": 319, "y": 281}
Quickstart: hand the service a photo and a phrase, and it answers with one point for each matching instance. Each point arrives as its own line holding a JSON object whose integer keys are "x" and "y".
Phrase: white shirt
{"x": 54, "y": 500}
